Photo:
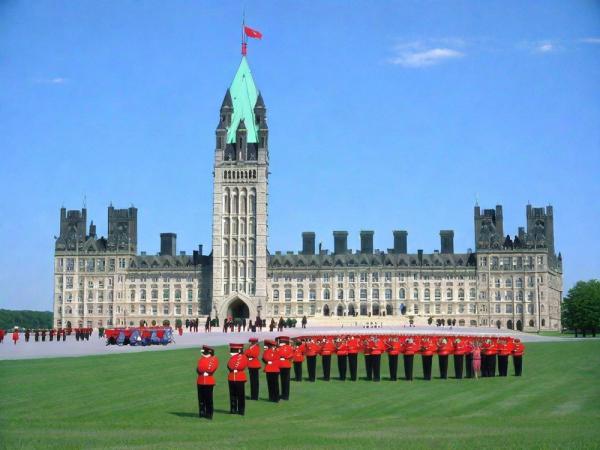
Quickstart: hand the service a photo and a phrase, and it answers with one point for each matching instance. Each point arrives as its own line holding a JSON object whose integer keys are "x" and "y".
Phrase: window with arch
{"x": 415, "y": 294}
{"x": 375, "y": 294}
{"x": 190, "y": 295}
{"x": 226, "y": 203}
{"x": 242, "y": 247}
{"x": 226, "y": 269}
{"x": 243, "y": 204}
{"x": 177, "y": 295}
{"x": 234, "y": 226}
{"x": 438, "y": 295}
{"x": 312, "y": 295}
{"x": 243, "y": 226}
{"x": 351, "y": 294}
{"x": 340, "y": 294}
{"x": 326, "y": 294}
{"x": 461, "y": 294}
{"x": 427, "y": 294}
{"x": 132, "y": 296}
{"x": 402, "y": 293}
{"x": 276, "y": 294}
{"x": 251, "y": 269}
{"x": 251, "y": 226}
{"x": 363, "y": 294}
{"x": 252, "y": 204}
{"x": 143, "y": 294}
{"x": 388, "y": 294}
{"x": 234, "y": 247}
{"x": 226, "y": 229}
{"x": 154, "y": 294}
{"x": 449, "y": 294}
{"x": 235, "y": 204}
{"x": 225, "y": 247}
{"x": 242, "y": 269}
{"x": 472, "y": 294}
{"x": 300, "y": 294}
{"x": 288, "y": 295}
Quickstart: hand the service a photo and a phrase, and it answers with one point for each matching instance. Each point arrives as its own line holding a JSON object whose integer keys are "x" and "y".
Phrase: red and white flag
{"x": 252, "y": 33}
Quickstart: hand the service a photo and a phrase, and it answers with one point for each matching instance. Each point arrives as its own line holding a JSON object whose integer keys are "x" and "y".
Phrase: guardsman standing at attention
{"x": 327, "y": 350}
{"x": 43, "y": 335}
{"x": 444, "y": 348}
{"x": 428, "y": 348}
{"x": 353, "y": 349}
{"x": 490, "y": 351}
{"x": 299, "y": 349}
{"x": 285, "y": 355}
{"x": 27, "y": 333}
{"x": 36, "y": 335}
{"x": 254, "y": 365}
{"x": 517, "y": 352}
{"x": 312, "y": 350}
{"x": 367, "y": 348}
{"x": 376, "y": 350}
{"x": 52, "y": 334}
{"x": 2, "y": 332}
{"x": 207, "y": 365}
{"x": 393, "y": 350}
{"x": 504, "y": 350}
{"x": 469, "y": 345}
{"x": 342, "y": 357}
{"x": 459, "y": 349}
{"x": 409, "y": 349}
{"x": 271, "y": 361}
{"x": 237, "y": 379}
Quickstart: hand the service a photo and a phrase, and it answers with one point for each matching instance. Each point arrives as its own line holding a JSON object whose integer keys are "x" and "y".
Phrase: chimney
{"x": 447, "y": 241}
{"x": 400, "y": 241}
{"x": 168, "y": 244}
{"x": 366, "y": 241}
{"x": 340, "y": 242}
{"x": 308, "y": 243}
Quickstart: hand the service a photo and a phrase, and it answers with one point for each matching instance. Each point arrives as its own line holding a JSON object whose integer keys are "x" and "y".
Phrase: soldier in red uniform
{"x": 253, "y": 354}
{"x": 505, "y": 347}
{"x": 517, "y": 352}
{"x": 367, "y": 348}
{"x": 469, "y": 345}
{"x": 52, "y": 334}
{"x": 393, "y": 350}
{"x": 299, "y": 349}
{"x": 488, "y": 358}
{"x": 428, "y": 348}
{"x": 312, "y": 350}
{"x": 353, "y": 349}
{"x": 342, "y": 357}
{"x": 285, "y": 355}
{"x": 237, "y": 379}
{"x": 459, "y": 349}
{"x": 207, "y": 365}
{"x": 2, "y": 333}
{"x": 444, "y": 348}
{"x": 327, "y": 350}
{"x": 271, "y": 369}
{"x": 377, "y": 349}
{"x": 409, "y": 349}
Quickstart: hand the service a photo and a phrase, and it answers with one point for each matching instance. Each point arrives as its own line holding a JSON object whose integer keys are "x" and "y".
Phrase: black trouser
{"x": 458, "y": 366}
{"x": 64, "y": 337}
{"x": 342, "y": 362}
{"x": 369, "y": 366}
{"x": 518, "y": 363}
{"x": 393, "y": 364}
{"x": 205, "y": 401}
{"x": 311, "y": 365}
{"x": 51, "y": 338}
{"x": 326, "y": 362}
{"x": 484, "y": 366}
{"x": 43, "y": 338}
{"x": 492, "y": 366}
{"x": 284, "y": 375}
{"x": 237, "y": 397}
{"x": 408, "y": 366}
{"x": 376, "y": 362}
{"x": 426, "y": 359}
{"x": 469, "y": 365}
{"x": 503, "y": 365}
{"x": 273, "y": 386}
{"x": 352, "y": 362}
{"x": 443, "y": 361}
{"x": 253, "y": 383}
{"x": 298, "y": 370}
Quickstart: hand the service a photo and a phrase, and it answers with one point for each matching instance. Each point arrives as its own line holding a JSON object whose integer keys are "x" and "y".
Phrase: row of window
{"x": 152, "y": 310}
{"x": 234, "y": 248}
{"x": 90, "y": 264}
{"x": 511, "y": 262}
{"x": 245, "y": 287}
{"x": 375, "y": 293}
{"x": 364, "y": 277}
{"x": 237, "y": 204}
{"x": 166, "y": 295}
{"x": 239, "y": 174}
{"x": 238, "y": 226}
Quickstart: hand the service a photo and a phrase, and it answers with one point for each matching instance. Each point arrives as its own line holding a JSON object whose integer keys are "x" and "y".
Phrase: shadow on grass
{"x": 184, "y": 414}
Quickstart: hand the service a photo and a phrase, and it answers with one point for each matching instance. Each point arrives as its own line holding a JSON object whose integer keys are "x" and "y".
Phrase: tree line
{"x": 25, "y": 319}
{"x": 580, "y": 309}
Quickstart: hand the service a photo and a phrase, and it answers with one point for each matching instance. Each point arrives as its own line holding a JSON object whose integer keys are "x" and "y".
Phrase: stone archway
{"x": 237, "y": 306}
{"x": 238, "y": 309}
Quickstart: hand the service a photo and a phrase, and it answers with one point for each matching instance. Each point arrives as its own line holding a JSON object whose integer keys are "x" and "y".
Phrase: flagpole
{"x": 243, "y": 39}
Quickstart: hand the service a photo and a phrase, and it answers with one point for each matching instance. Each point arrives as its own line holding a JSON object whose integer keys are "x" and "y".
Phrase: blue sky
{"x": 382, "y": 116}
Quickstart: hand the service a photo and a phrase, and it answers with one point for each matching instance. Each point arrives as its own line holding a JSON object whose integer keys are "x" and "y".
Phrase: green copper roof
{"x": 243, "y": 94}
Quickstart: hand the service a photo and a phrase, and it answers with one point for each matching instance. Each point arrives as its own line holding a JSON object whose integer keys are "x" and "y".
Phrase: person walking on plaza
{"x": 253, "y": 354}
{"x": 207, "y": 366}
{"x": 476, "y": 360}
{"x": 15, "y": 335}
{"x": 280, "y": 324}
{"x": 207, "y": 324}
{"x": 271, "y": 369}
{"x": 285, "y": 355}
{"x": 459, "y": 352}
{"x": 299, "y": 349}
{"x": 304, "y": 321}
{"x": 517, "y": 352}
{"x": 237, "y": 379}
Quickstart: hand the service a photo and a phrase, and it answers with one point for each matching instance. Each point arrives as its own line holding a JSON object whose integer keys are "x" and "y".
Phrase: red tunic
{"x": 518, "y": 349}
{"x": 489, "y": 348}
{"x": 271, "y": 360}
{"x": 237, "y": 365}
{"x": 15, "y": 336}
{"x": 460, "y": 348}
{"x": 504, "y": 348}
{"x": 410, "y": 348}
{"x": 444, "y": 349}
{"x": 353, "y": 346}
{"x": 285, "y": 354}
{"x": 312, "y": 349}
{"x": 378, "y": 347}
{"x": 299, "y": 353}
{"x": 428, "y": 347}
{"x": 253, "y": 353}
{"x": 342, "y": 349}
{"x": 328, "y": 348}
{"x": 394, "y": 348}
{"x": 207, "y": 365}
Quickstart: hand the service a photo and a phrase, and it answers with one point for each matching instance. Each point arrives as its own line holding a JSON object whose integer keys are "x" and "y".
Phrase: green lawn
{"x": 149, "y": 400}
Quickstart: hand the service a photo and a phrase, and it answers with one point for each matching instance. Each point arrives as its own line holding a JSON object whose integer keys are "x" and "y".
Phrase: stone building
{"x": 506, "y": 282}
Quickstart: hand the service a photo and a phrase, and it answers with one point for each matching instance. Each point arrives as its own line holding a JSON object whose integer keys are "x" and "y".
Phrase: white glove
{"x": 205, "y": 374}
{"x": 234, "y": 370}
{"x": 269, "y": 362}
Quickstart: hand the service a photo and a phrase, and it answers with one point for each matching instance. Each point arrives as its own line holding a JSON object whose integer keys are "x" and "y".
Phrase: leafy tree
{"x": 580, "y": 309}
{"x": 25, "y": 319}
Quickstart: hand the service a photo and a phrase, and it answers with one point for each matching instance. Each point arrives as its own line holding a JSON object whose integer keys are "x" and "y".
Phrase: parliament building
{"x": 508, "y": 282}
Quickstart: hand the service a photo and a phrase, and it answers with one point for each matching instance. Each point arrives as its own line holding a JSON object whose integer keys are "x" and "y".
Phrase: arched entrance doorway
{"x": 375, "y": 309}
{"x": 388, "y": 310}
{"x": 238, "y": 310}
{"x": 363, "y": 309}
{"x": 351, "y": 311}
{"x": 519, "y": 325}
{"x": 326, "y": 310}
{"x": 340, "y": 310}
{"x": 69, "y": 324}
{"x": 509, "y": 324}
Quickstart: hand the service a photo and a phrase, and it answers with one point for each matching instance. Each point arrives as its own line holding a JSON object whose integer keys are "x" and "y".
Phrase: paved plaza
{"x": 97, "y": 346}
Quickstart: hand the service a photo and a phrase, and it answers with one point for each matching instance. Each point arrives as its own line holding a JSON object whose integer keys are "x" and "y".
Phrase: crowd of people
{"x": 139, "y": 336}
{"x": 473, "y": 357}
{"x": 46, "y": 334}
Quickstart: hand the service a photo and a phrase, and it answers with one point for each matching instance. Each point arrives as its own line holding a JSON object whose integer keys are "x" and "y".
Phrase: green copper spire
{"x": 243, "y": 94}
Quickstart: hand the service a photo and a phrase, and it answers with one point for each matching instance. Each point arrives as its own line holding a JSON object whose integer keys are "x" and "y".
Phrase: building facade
{"x": 98, "y": 282}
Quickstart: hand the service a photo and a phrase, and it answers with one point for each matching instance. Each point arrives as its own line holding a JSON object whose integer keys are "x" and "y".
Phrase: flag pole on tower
{"x": 246, "y": 33}
{"x": 244, "y": 45}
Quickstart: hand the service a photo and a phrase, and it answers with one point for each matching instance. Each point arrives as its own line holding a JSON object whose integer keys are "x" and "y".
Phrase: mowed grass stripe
{"x": 148, "y": 400}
